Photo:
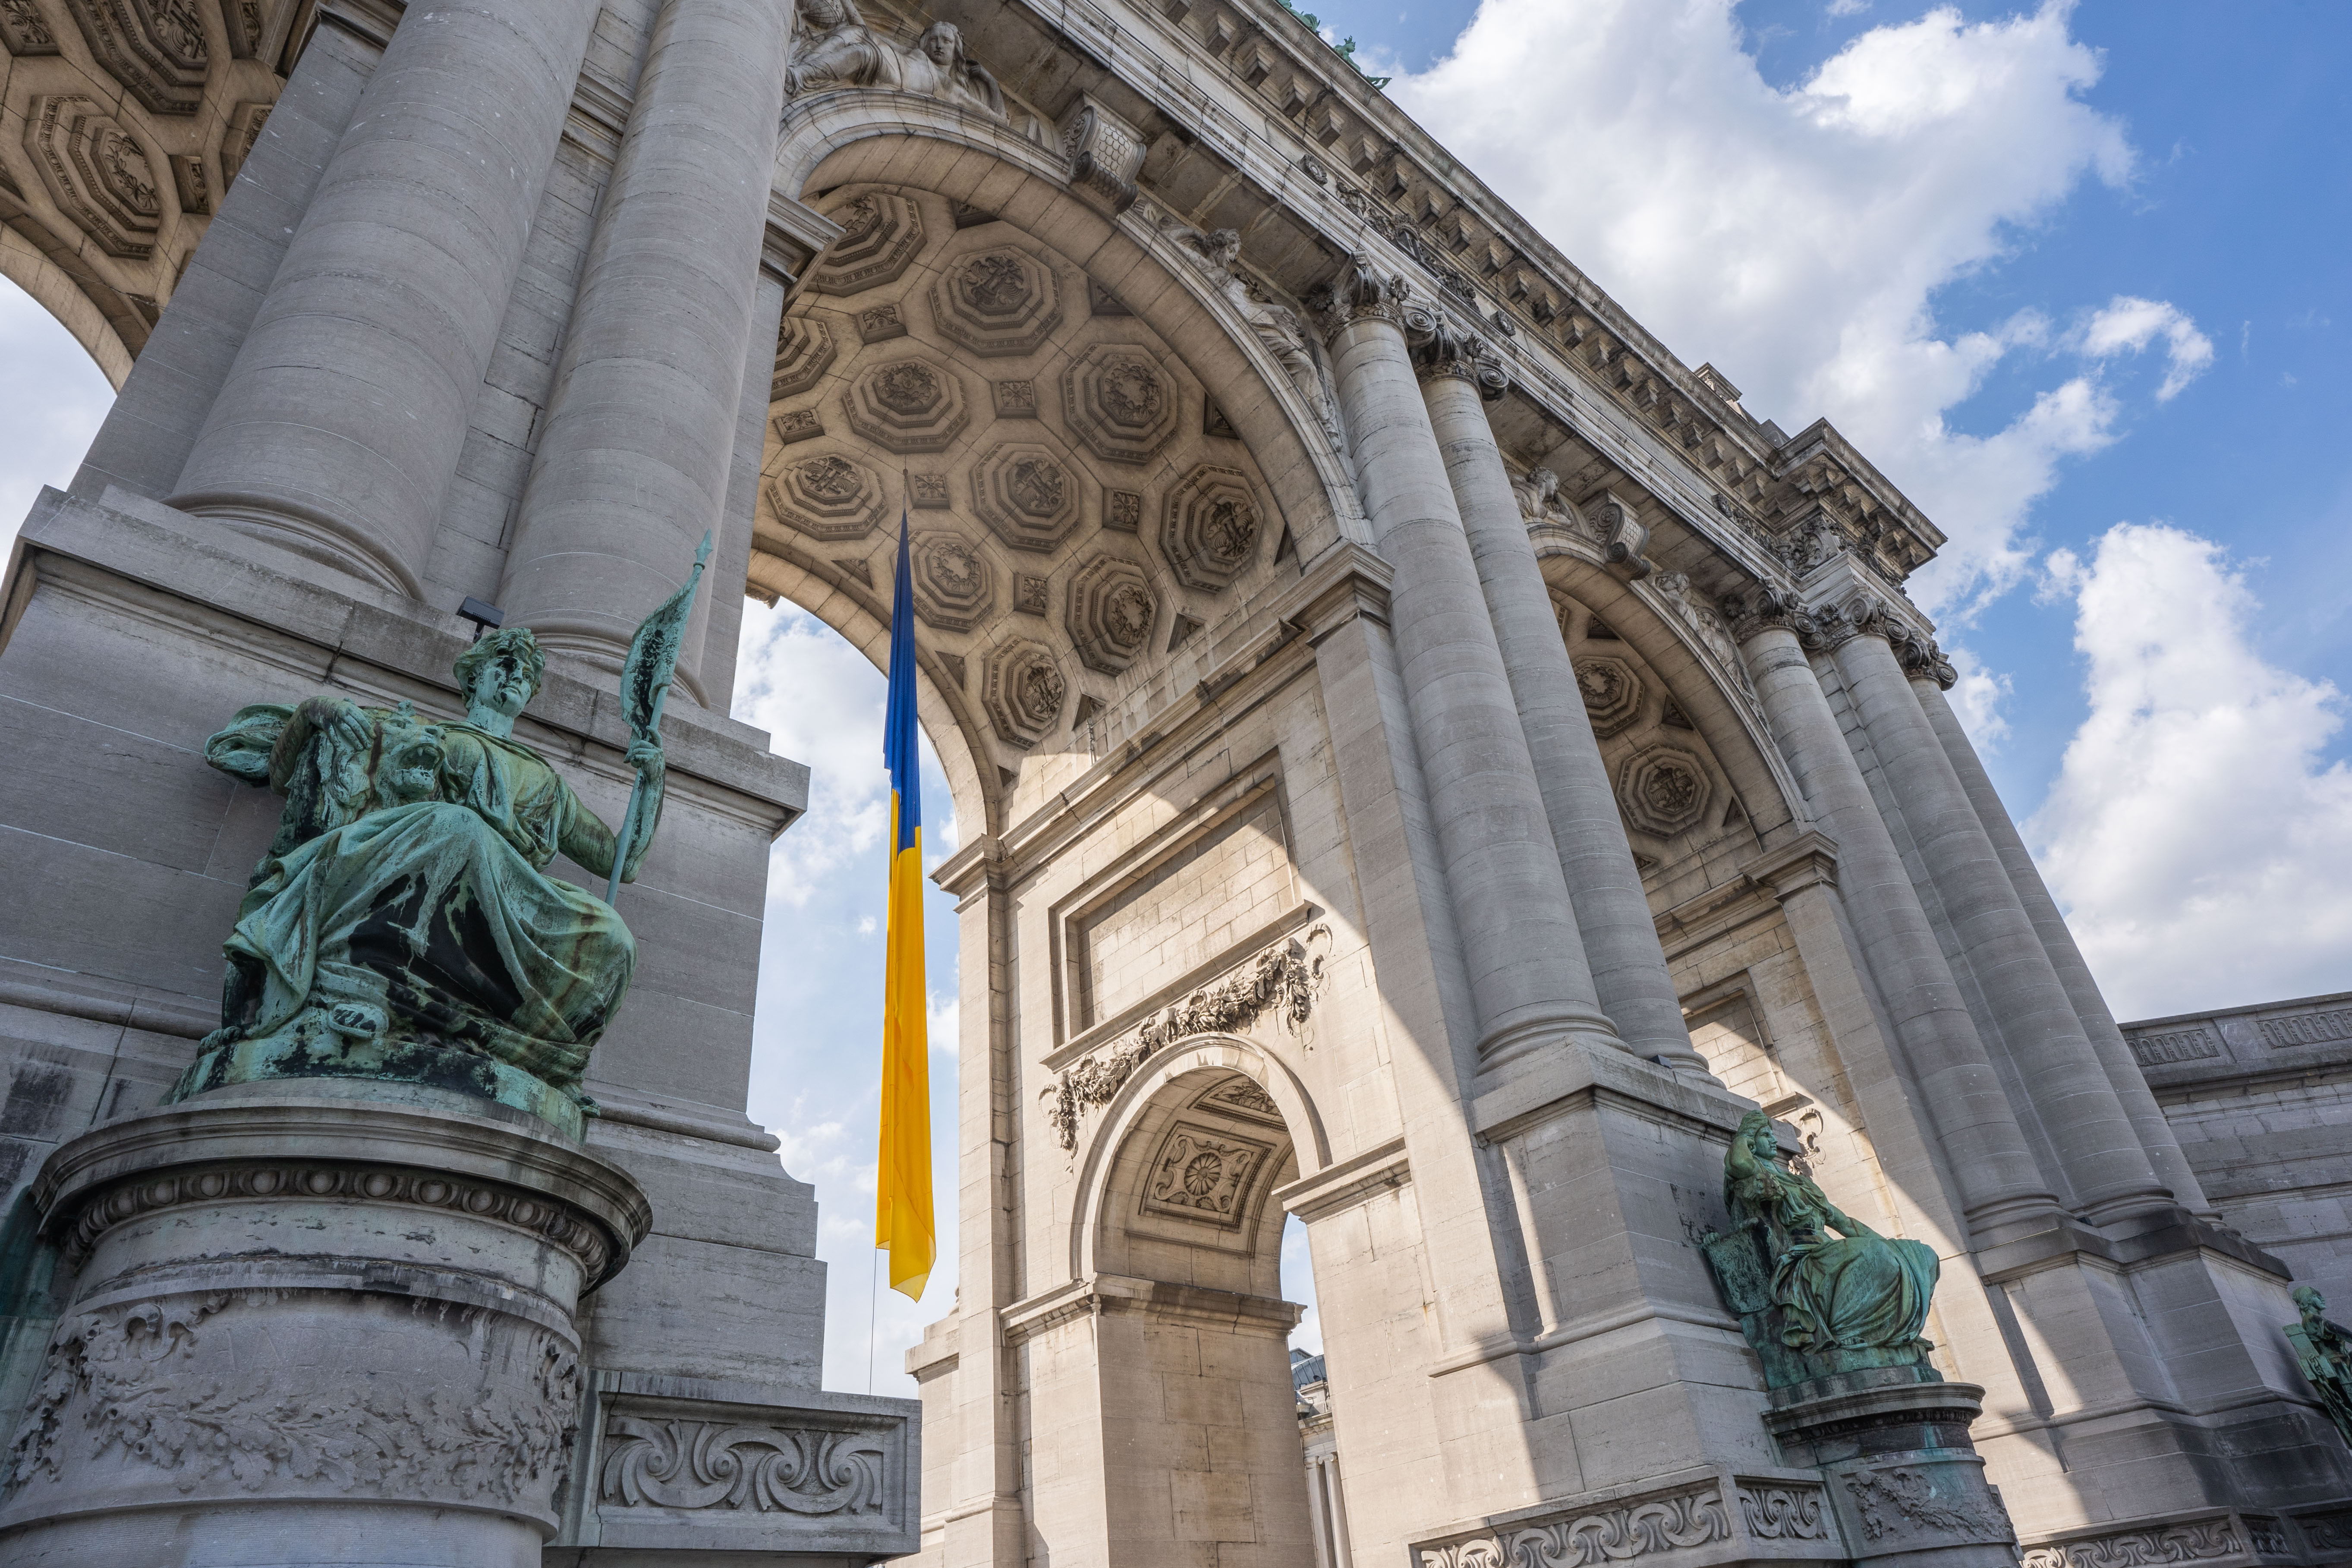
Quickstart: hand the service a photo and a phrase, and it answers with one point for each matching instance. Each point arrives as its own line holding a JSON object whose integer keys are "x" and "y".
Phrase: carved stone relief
{"x": 997, "y": 302}
{"x": 794, "y": 426}
{"x": 95, "y": 172}
{"x": 907, "y": 406}
{"x": 1774, "y": 1513}
{"x": 828, "y": 496}
{"x": 805, "y": 351}
{"x": 955, "y": 585}
{"x": 1023, "y": 688}
{"x": 881, "y": 233}
{"x": 1201, "y": 1175}
{"x": 717, "y": 1465}
{"x": 1111, "y": 612}
{"x": 24, "y": 30}
{"x": 1120, "y": 401}
{"x": 1897, "y": 1503}
{"x": 238, "y": 133}
{"x": 1209, "y": 530}
{"x": 1613, "y": 692}
{"x": 1663, "y": 790}
{"x": 879, "y": 324}
{"x": 155, "y": 48}
{"x": 1027, "y": 493}
{"x": 243, "y": 21}
{"x": 1631, "y": 1529}
{"x": 1240, "y": 1097}
{"x": 1123, "y": 511}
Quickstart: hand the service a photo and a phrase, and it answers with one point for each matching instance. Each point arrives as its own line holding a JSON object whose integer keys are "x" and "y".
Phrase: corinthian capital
{"x": 1356, "y": 291}
{"x": 1443, "y": 347}
{"x": 1754, "y": 609}
{"x": 1864, "y": 617}
{"x": 1922, "y": 659}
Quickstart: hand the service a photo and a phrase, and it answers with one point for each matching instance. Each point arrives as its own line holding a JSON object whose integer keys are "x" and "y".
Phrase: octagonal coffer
{"x": 1023, "y": 688}
{"x": 1611, "y": 690}
{"x": 955, "y": 583}
{"x": 907, "y": 406}
{"x": 997, "y": 302}
{"x": 1209, "y": 530}
{"x": 1111, "y": 612}
{"x": 1027, "y": 493}
{"x": 828, "y": 496}
{"x": 805, "y": 351}
{"x": 1663, "y": 790}
{"x": 1121, "y": 402}
{"x": 881, "y": 234}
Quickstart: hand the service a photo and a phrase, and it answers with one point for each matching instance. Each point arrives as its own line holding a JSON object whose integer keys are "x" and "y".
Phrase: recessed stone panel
{"x": 805, "y": 351}
{"x": 1027, "y": 493}
{"x": 907, "y": 406}
{"x": 95, "y": 172}
{"x": 828, "y": 496}
{"x": 155, "y": 48}
{"x": 882, "y": 232}
{"x": 1202, "y": 1175}
{"x": 1211, "y": 527}
{"x": 998, "y": 302}
{"x": 1023, "y": 690}
{"x": 1613, "y": 692}
{"x": 1663, "y": 790}
{"x": 1111, "y": 612}
{"x": 1120, "y": 401}
{"x": 955, "y": 585}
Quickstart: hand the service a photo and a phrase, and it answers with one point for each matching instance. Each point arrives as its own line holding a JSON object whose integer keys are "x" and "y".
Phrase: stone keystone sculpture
{"x": 2324, "y": 1349}
{"x": 403, "y": 925}
{"x": 1813, "y": 1304}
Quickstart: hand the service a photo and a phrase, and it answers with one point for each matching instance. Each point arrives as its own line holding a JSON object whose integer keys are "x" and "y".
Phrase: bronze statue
{"x": 2324, "y": 1349}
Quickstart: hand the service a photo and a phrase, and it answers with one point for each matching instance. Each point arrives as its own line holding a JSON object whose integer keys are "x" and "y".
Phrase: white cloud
{"x": 1798, "y": 237}
{"x": 52, "y": 400}
{"x": 2128, "y": 325}
{"x": 2195, "y": 829}
{"x": 1977, "y": 697}
{"x": 1848, "y": 7}
{"x": 820, "y": 702}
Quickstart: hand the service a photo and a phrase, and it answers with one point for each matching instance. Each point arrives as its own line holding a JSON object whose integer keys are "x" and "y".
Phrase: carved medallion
{"x": 1120, "y": 401}
{"x": 155, "y": 48}
{"x": 1211, "y": 528}
{"x": 805, "y": 351}
{"x": 1611, "y": 691}
{"x": 1026, "y": 494}
{"x": 1663, "y": 790}
{"x": 828, "y": 497}
{"x": 1111, "y": 612}
{"x": 955, "y": 586}
{"x": 907, "y": 405}
{"x": 95, "y": 172}
{"x": 998, "y": 302}
{"x": 1023, "y": 690}
{"x": 1199, "y": 1175}
{"x": 881, "y": 234}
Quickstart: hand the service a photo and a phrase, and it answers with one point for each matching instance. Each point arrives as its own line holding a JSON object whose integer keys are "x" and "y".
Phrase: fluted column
{"x": 2000, "y": 1187}
{"x": 340, "y": 422}
{"x": 2107, "y": 1167}
{"x": 1929, "y": 675}
{"x": 1613, "y": 913}
{"x": 634, "y": 465}
{"x": 1525, "y": 960}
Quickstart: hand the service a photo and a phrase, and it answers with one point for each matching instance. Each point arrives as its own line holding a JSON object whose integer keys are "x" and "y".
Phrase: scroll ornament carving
{"x": 1897, "y": 1500}
{"x": 96, "y": 172}
{"x": 1763, "y": 607}
{"x": 1442, "y": 347}
{"x": 833, "y": 46}
{"x": 1585, "y": 1541}
{"x": 1283, "y": 982}
{"x": 126, "y": 1367}
{"x": 2190, "y": 1542}
{"x": 767, "y": 1469}
{"x": 155, "y": 48}
{"x": 1023, "y": 689}
{"x": 1840, "y": 623}
{"x": 1218, "y": 255}
{"x": 1921, "y": 659}
{"x": 1357, "y": 293}
{"x": 1783, "y": 1513}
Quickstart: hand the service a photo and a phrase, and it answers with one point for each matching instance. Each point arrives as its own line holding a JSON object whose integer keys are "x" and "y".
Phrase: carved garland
{"x": 1283, "y": 980}
{"x": 720, "y": 1464}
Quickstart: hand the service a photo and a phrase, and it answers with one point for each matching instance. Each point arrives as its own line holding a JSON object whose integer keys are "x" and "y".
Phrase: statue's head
{"x": 1224, "y": 246}
{"x": 1545, "y": 482}
{"x": 2309, "y": 1303}
{"x": 502, "y": 671}
{"x": 942, "y": 43}
{"x": 1756, "y": 1131}
{"x": 824, "y": 13}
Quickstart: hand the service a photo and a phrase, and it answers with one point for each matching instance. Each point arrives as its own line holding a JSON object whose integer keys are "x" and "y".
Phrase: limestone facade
{"x": 1426, "y": 760}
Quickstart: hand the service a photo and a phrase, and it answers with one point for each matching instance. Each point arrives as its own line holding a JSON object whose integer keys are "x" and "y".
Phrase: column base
{"x": 1907, "y": 1484}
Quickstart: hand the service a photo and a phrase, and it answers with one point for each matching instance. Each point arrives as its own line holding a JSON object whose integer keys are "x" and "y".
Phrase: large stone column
{"x": 1520, "y": 945}
{"x": 2105, "y": 1163}
{"x": 1929, "y": 675}
{"x": 314, "y": 1321}
{"x": 341, "y": 421}
{"x": 1613, "y": 912}
{"x": 634, "y": 465}
{"x": 2002, "y": 1189}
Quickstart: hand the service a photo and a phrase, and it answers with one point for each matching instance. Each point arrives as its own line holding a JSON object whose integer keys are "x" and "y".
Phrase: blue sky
{"x": 2075, "y": 276}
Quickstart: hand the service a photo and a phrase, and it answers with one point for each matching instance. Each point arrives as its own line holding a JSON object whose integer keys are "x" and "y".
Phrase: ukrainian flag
{"x": 902, "y": 1195}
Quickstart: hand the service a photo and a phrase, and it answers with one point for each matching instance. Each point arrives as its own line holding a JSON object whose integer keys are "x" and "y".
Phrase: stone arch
{"x": 1080, "y": 623}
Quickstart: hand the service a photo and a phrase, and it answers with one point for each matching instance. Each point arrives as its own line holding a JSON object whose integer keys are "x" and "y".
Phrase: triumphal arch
{"x": 1427, "y": 761}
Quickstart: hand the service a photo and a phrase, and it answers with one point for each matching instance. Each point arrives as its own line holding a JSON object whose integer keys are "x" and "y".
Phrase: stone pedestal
{"x": 1903, "y": 1480}
{"x": 313, "y": 1324}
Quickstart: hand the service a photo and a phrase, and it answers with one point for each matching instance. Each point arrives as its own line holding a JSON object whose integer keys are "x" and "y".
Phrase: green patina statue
{"x": 2324, "y": 1349}
{"x": 403, "y": 925}
{"x": 1813, "y": 1304}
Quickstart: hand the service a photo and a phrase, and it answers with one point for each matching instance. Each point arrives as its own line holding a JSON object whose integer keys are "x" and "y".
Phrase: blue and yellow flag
{"x": 902, "y": 1189}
